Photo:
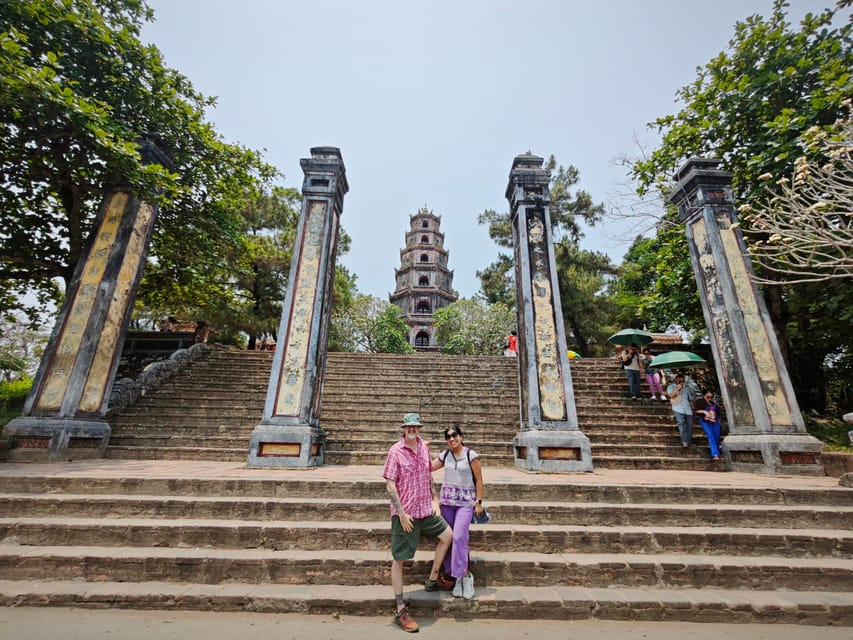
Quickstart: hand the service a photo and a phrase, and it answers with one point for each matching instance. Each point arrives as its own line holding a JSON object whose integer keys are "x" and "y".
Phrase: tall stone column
{"x": 290, "y": 434}
{"x": 549, "y": 439}
{"x": 64, "y": 415}
{"x": 766, "y": 430}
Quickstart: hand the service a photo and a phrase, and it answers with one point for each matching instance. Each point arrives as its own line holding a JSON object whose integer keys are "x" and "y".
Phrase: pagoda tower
{"x": 423, "y": 281}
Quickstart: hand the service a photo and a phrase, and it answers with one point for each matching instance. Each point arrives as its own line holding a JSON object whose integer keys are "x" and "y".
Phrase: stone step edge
{"x": 526, "y": 505}
{"x": 364, "y": 558}
{"x": 628, "y": 536}
{"x": 813, "y": 608}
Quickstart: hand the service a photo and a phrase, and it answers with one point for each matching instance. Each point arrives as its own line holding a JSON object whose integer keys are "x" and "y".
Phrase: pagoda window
{"x": 423, "y": 307}
{"x": 424, "y": 239}
{"x": 422, "y": 339}
{"x": 424, "y": 257}
{"x": 423, "y": 281}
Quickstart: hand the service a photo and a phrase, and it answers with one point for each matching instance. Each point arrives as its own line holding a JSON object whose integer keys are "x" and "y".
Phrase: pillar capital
{"x": 700, "y": 182}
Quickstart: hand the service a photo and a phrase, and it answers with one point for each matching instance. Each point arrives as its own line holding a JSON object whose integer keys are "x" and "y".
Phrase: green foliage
{"x": 473, "y": 327}
{"x": 78, "y": 92}
{"x": 497, "y": 281}
{"x": 831, "y": 431}
{"x": 368, "y": 324}
{"x": 588, "y": 310}
{"x": 750, "y": 106}
{"x": 13, "y": 394}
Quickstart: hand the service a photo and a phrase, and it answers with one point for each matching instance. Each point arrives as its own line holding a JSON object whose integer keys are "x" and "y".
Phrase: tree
{"x": 78, "y": 93}
{"x": 588, "y": 311}
{"x": 473, "y": 327}
{"x": 20, "y": 347}
{"x": 805, "y": 232}
{"x": 750, "y": 106}
{"x": 371, "y": 325}
{"x": 567, "y": 210}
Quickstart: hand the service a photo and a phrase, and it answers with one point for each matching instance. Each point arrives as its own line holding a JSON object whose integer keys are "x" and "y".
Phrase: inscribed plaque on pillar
{"x": 730, "y": 362}
{"x": 765, "y": 365}
{"x": 298, "y": 337}
{"x": 74, "y": 327}
{"x": 99, "y": 375}
{"x": 552, "y": 398}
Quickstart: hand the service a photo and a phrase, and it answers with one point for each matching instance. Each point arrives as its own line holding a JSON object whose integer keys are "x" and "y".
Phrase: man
{"x": 414, "y": 512}
{"x": 682, "y": 407}
{"x": 633, "y": 365}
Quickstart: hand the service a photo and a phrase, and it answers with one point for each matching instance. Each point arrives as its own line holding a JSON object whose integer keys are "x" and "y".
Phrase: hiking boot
{"x": 442, "y": 583}
{"x": 405, "y": 621}
{"x": 457, "y": 588}
{"x": 468, "y": 586}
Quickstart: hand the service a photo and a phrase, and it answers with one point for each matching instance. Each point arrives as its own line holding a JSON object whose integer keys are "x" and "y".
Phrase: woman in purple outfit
{"x": 461, "y": 497}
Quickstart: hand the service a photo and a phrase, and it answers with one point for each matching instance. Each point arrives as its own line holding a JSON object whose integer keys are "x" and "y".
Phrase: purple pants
{"x": 459, "y": 519}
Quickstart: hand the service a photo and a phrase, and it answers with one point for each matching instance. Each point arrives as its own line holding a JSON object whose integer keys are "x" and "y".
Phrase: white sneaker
{"x": 468, "y": 586}
{"x": 457, "y": 588}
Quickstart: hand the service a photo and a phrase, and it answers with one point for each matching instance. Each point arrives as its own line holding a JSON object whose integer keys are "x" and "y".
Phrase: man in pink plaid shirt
{"x": 414, "y": 512}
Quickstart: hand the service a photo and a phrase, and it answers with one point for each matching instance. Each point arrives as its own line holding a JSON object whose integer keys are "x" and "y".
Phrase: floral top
{"x": 458, "y": 488}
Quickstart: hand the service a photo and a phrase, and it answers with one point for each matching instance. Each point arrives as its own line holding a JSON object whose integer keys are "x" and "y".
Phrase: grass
{"x": 831, "y": 431}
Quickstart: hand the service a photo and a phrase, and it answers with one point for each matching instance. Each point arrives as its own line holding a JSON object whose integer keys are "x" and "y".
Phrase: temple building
{"x": 423, "y": 281}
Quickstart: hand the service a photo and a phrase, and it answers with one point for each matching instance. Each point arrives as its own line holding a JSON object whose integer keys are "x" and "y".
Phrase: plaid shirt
{"x": 411, "y": 471}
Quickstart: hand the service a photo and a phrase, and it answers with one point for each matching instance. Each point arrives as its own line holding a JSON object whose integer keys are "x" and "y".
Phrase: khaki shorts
{"x": 403, "y": 545}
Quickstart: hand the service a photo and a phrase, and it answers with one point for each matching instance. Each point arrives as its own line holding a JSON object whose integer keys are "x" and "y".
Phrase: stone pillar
{"x": 64, "y": 415}
{"x": 290, "y": 434}
{"x": 550, "y": 439}
{"x": 766, "y": 430}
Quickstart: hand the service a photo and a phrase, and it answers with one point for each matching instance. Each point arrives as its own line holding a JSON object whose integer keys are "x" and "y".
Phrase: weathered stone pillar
{"x": 290, "y": 433}
{"x": 766, "y": 430}
{"x": 64, "y": 415}
{"x": 550, "y": 439}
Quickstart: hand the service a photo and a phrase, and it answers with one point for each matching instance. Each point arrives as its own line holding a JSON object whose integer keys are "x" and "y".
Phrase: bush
{"x": 13, "y": 394}
{"x": 831, "y": 431}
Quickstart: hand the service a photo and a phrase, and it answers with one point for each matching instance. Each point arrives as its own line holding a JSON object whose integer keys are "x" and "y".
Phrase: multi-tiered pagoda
{"x": 424, "y": 283}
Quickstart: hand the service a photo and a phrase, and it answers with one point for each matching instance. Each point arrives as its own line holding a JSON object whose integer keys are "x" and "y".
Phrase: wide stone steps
{"x": 319, "y": 535}
{"x": 568, "y": 545}
{"x": 221, "y": 398}
{"x": 509, "y": 603}
{"x": 357, "y": 567}
{"x": 366, "y": 510}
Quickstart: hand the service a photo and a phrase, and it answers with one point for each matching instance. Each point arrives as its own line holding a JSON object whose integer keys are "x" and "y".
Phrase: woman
{"x": 652, "y": 376}
{"x": 709, "y": 418}
{"x": 461, "y": 497}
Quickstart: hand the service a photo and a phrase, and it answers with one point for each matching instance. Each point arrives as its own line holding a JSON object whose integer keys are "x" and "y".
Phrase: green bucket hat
{"x": 412, "y": 420}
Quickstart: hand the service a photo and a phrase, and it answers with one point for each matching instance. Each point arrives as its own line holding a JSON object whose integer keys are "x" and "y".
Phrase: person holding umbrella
{"x": 632, "y": 362}
{"x": 682, "y": 407}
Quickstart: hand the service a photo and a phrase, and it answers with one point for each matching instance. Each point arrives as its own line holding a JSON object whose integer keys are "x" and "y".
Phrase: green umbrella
{"x": 631, "y": 336}
{"x": 676, "y": 360}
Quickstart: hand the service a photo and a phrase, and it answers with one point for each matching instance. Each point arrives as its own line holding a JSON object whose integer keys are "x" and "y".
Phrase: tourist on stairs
{"x": 414, "y": 512}
{"x": 461, "y": 497}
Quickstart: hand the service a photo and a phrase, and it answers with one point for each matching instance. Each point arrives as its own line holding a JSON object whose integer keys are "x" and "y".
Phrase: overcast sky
{"x": 429, "y": 102}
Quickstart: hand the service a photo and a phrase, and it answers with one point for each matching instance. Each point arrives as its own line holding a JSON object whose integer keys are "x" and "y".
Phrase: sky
{"x": 430, "y": 102}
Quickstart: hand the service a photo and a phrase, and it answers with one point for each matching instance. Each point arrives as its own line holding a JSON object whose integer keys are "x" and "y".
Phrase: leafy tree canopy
{"x": 78, "y": 93}
{"x": 473, "y": 327}
{"x": 368, "y": 324}
{"x": 750, "y": 106}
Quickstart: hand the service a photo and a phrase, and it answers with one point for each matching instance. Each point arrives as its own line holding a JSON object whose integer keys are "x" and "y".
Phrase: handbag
{"x": 483, "y": 518}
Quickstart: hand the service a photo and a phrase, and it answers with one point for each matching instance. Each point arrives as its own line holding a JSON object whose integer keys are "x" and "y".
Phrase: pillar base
{"x": 273, "y": 445}
{"x": 552, "y": 450}
{"x": 37, "y": 439}
{"x": 775, "y": 454}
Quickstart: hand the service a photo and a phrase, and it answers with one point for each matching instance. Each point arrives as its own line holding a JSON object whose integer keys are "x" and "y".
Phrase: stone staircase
{"x": 123, "y": 534}
{"x": 208, "y": 411}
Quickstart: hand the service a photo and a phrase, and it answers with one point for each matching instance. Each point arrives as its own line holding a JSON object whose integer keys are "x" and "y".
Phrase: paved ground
{"x": 74, "y": 624}
{"x": 202, "y": 469}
